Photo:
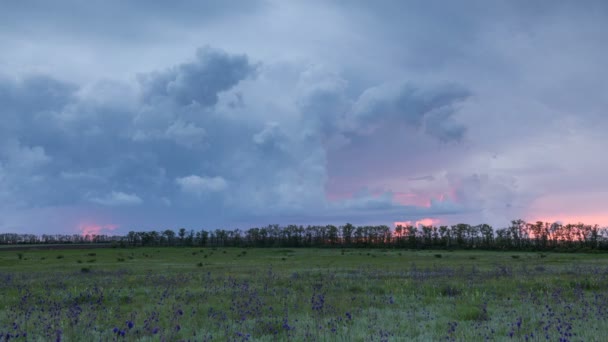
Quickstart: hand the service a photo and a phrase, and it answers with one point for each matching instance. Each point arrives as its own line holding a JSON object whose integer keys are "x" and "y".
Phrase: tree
{"x": 347, "y": 234}
{"x": 332, "y": 235}
{"x": 131, "y": 236}
{"x": 182, "y": 235}
{"x": 170, "y": 236}
{"x": 487, "y": 235}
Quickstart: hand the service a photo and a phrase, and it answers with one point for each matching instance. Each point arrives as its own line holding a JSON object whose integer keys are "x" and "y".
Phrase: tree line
{"x": 519, "y": 235}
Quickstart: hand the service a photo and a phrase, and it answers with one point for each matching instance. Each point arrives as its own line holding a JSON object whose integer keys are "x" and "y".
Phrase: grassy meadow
{"x": 236, "y": 294}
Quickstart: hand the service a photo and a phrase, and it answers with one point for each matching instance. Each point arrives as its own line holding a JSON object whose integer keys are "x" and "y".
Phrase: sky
{"x": 147, "y": 115}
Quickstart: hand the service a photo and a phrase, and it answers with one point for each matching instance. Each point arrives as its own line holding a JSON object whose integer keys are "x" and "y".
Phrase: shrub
{"x": 471, "y": 313}
{"x": 355, "y": 289}
{"x": 450, "y": 291}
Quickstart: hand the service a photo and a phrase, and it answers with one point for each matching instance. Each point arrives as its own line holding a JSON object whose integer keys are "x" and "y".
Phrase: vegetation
{"x": 301, "y": 294}
{"x": 520, "y": 235}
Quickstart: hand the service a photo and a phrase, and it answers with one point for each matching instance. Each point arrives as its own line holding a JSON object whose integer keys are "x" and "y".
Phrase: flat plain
{"x": 301, "y": 294}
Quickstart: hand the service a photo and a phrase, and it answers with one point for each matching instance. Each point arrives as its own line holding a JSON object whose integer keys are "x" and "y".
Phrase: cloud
{"x": 135, "y": 21}
{"x": 23, "y": 158}
{"x": 198, "y": 82}
{"x": 432, "y": 107}
{"x": 440, "y": 124}
{"x": 184, "y": 124}
{"x": 186, "y": 134}
{"x": 364, "y": 200}
{"x": 299, "y": 116}
{"x": 199, "y": 185}
{"x": 271, "y": 137}
{"x": 323, "y": 99}
{"x": 117, "y": 198}
{"x": 34, "y": 93}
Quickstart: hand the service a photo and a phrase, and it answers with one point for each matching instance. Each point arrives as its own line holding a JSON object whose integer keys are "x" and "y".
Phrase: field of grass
{"x": 234, "y": 294}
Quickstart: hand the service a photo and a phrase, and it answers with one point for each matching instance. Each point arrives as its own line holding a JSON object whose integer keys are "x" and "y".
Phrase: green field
{"x": 221, "y": 294}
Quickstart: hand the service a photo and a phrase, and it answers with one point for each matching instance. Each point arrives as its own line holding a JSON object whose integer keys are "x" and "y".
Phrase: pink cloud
{"x": 599, "y": 219}
{"x": 96, "y": 229}
{"x": 419, "y": 223}
{"x": 588, "y": 208}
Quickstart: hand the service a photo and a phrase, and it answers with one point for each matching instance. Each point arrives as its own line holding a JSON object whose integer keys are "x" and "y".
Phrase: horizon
{"x": 119, "y": 115}
{"x": 92, "y": 230}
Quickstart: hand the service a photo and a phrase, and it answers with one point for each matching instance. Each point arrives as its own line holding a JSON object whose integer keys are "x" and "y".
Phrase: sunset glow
{"x": 412, "y": 199}
{"x": 418, "y": 223}
{"x": 601, "y": 220}
{"x": 96, "y": 229}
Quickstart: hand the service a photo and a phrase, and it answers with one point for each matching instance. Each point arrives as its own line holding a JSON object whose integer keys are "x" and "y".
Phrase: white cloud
{"x": 186, "y": 133}
{"x": 199, "y": 185}
{"x": 117, "y": 198}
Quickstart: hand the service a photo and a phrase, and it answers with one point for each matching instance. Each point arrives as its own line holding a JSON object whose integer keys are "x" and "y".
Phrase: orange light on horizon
{"x": 419, "y": 223}
{"x": 87, "y": 229}
{"x": 601, "y": 220}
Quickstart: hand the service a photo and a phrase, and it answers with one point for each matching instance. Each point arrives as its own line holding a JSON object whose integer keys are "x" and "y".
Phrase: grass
{"x": 150, "y": 294}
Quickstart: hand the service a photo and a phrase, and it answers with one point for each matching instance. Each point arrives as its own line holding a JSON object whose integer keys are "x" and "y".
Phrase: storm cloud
{"x": 243, "y": 113}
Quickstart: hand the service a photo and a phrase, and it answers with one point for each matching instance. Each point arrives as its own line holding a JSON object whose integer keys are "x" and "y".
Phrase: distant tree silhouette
{"x": 519, "y": 235}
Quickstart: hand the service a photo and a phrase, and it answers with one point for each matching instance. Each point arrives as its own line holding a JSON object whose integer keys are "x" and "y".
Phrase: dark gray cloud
{"x": 91, "y": 146}
{"x": 175, "y": 147}
{"x": 431, "y": 107}
{"x": 198, "y": 82}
